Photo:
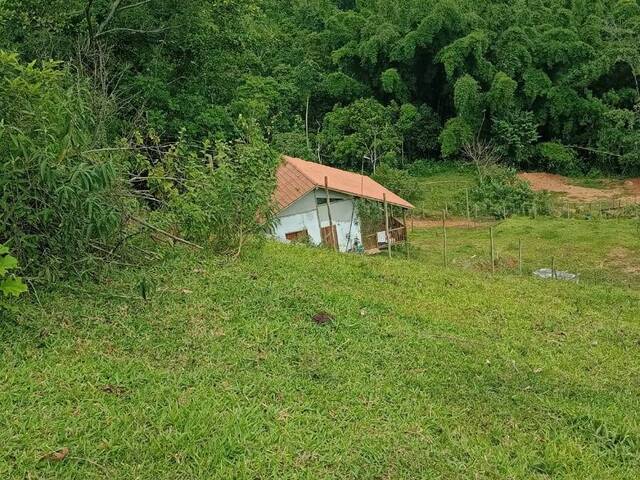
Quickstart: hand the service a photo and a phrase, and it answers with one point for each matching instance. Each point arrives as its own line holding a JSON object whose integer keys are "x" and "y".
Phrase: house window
{"x": 323, "y": 201}
{"x": 299, "y": 236}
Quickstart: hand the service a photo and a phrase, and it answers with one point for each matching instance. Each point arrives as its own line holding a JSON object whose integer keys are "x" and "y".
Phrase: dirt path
{"x": 453, "y": 223}
{"x": 630, "y": 189}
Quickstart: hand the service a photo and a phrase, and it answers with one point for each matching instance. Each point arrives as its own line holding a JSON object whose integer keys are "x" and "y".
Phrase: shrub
{"x": 10, "y": 284}
{"x": 400, "y": 182}
{"x": 227, "y": 197}
{"x": 501, "y": 193}
{"x": 555, "y": 157}
{"x": 56, "y": 198}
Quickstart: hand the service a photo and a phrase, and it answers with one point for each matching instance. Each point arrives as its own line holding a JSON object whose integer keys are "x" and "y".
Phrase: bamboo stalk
{"x": 164, "y": 232}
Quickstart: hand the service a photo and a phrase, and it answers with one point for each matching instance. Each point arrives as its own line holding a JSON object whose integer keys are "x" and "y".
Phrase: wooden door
{"x": 330, "y": 236}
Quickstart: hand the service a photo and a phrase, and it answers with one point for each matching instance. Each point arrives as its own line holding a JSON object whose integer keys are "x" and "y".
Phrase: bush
{"x": 555, "y": 157}
{"x": 56, "y": 198}
{"x": 399, "y": 182}
{"x": 227, "y": 196}
{"x": 501, "y": 193}
{"x": 10, "y": 284}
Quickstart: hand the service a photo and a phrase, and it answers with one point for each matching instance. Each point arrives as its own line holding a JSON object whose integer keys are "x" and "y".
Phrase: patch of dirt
{"x": 322, "y": 318}
{"x": 453, "y": 223}
{"x": 630, "y": 189}
{"x": 624, "y": 259}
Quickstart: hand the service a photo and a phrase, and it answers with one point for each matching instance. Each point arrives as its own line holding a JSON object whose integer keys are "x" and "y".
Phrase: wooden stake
{"x": 493, "y": 263}
{"x": 468, "y": 210}
{"x": 520, "y": 256}
{"x": 406, "y": 232}
{"x": 553, "y": 267}
{"x": 444, "y": 233}
{"x": 334, "y": 241}
{"x": 386, "y": 223}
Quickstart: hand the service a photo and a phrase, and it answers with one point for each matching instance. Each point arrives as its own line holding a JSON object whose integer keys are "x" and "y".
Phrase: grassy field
{"x": 601, "y": 251}
{"x": 423, "y": 373}
{"x": 444, "y": 188}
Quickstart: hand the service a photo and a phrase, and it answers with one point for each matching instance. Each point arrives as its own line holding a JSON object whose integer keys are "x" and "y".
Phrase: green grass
{"x": 442, "y": 189}
{"x": 424, "y": 373}
{"x": 591, "y": 182}
{"x": 601, "y": 251}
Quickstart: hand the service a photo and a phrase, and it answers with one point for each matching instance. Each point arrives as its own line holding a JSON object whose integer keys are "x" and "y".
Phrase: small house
{"x": 318, "y": 204}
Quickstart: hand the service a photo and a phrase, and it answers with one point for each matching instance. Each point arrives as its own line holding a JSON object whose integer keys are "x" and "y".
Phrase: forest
{"x": 177, "y": 110}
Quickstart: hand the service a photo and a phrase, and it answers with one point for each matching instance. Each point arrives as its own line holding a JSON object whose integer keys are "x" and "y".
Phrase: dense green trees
{"x": 147, "y": 92}
{"x": 438, "y": 72}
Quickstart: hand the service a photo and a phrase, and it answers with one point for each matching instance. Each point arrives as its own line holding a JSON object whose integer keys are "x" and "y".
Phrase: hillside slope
{"x": 423, "y": 373}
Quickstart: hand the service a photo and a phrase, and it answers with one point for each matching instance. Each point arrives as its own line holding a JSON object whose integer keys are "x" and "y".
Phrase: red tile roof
{"x": 297, "y": 177}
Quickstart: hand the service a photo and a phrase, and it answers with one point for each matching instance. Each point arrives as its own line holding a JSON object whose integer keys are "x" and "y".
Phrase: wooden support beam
{"x": 406, "y": 232}
{"x": 334, "y": 241}
{"x": 386, "y": 223}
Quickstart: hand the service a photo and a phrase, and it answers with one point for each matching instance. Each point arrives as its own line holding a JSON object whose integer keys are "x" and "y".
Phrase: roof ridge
{"x": 367, "y": 187}
{"x": 286, "y": 159}
{"x": 324, "y": 166}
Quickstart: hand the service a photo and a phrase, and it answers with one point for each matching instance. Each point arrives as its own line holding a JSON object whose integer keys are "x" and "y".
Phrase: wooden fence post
{"x": 444, "y": 232}
{"x": 406, "y": 232}
{"x": 386, "y": 223}
{"x": 493, "y": 263}
{"x": 334, "y": 241}
{"x": 468, "y": 210}
{"x": 520, "y": 256}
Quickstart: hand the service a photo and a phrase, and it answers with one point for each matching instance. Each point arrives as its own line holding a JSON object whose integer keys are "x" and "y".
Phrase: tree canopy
{"x": 322, "y": 77}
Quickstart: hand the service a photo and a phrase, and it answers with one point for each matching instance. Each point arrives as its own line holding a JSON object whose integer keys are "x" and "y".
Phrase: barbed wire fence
{"x": 549, "y": 265}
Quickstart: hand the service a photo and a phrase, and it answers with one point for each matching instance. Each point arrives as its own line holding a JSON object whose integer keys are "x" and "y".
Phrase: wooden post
{"x": 406, "y": 232}
{"x": 553, "y": 267}
{"x": 535, "y": 211}
{"x": 493, "y": 263}
{"x": 468, "y": 210}
{"x": 386, "y": 223}
{"x": 444, "y": 233}
{"x": 520, "y": 256}
{"x": 334, "y": 241}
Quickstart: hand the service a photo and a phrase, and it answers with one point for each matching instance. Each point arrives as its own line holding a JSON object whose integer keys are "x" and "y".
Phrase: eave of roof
{"x": 309, "y": 176}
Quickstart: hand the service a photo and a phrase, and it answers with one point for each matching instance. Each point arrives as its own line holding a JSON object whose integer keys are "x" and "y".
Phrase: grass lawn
{"x": 424, "y": 373}
{"x": 444, "y": 189}
{"x": 601, "y": 251}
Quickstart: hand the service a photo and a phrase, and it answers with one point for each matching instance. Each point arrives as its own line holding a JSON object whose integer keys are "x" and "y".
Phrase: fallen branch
{"x": 164, "y": 232}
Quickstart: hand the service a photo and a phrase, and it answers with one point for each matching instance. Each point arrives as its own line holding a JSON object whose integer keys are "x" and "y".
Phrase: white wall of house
{"x": 306, "y": 214}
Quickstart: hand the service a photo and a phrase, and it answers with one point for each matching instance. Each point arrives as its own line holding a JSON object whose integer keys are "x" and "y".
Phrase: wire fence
{"x": 490, "y": 248}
